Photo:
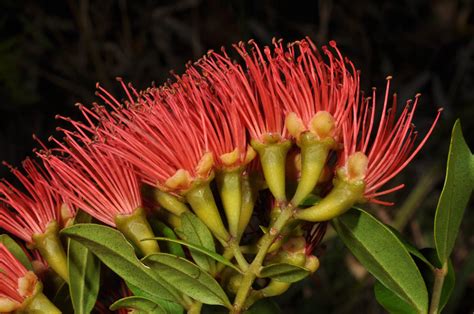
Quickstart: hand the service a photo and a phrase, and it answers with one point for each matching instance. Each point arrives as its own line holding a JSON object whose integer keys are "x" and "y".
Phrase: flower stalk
{"x": 254, "y": 268}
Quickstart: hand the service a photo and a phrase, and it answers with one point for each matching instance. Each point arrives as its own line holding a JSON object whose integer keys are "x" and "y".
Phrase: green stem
{"x": 50, "y": 247}
{"x": 239, "y": 257}
{"x": 439, "y": 276}
{"x": 227, "y": 254}
{"x": 195, "y": 308}
{"x": 254, "y": 268}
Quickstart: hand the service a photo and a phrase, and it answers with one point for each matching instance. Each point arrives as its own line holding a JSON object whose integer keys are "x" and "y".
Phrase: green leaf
{"x": 390, "y": 301}
{"x": 456, "y": 192}
{"x": 194, "y": 231}
{"x": 84, "y": 272}
{"x": 202, "y": 250}
{"x": 428, "y": 275}
{"x": 284, "y": 272}
{"x": 384, "y": 256}
{"x": 188, "y": 278}
{"x": 16, "y": 250}
{"x": 111, "y": 247}
{"x": 410, "y": 248}
{"x": 162, "y": 229}
{"x": 140, "y": 304}
{"x": 168, "y": 306}
{"x": 264, "y": 306}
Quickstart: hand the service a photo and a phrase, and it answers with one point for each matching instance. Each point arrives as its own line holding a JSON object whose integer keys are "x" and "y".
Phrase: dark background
{"x": 53, "y": 52}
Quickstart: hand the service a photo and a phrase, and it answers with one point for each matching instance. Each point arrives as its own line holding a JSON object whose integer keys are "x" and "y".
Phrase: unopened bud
{"x": 251, "y": 154}
{"x": 323, "y": 125}
{"x": 294, "y": 125}
{"x": 229, "y": 159}
{"x": 205, "y": 165}
{"x": 312, "y": 263}
{"x": 357, "y": 166}
{"x": 180, "y": 180}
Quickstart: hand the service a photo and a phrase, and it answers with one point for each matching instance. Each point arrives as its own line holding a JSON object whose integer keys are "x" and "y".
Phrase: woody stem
{"x": 439, "y": 276}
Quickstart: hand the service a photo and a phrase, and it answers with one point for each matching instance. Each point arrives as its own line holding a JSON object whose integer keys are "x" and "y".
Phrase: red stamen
{"x": 31, "y": 211}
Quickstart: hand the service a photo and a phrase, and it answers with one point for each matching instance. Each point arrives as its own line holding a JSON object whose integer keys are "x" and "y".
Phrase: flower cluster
{"x": 225, "y": 120}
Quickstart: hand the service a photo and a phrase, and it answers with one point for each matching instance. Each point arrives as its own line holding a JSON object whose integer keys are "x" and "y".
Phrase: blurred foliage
{"x": 53, "y": 53}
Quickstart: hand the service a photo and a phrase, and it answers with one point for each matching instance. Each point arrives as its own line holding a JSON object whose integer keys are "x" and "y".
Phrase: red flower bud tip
{"x": 17, "y": 282}
{"x": 94, "y": 179}
{"x": 386, "y": 149}
{"x": 31, "y": 210}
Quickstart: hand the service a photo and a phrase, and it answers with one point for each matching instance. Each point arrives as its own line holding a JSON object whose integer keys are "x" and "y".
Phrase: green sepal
{"x": 51, "y": 249}
{"x": 135, "y": 227}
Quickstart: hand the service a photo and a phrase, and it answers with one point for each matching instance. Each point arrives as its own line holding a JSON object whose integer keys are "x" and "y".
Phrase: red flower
{"x": 29, "y": 212}
{"x": 311, "y": 86}
{"x": 252, "y": 91}
{"x": 226, "y": 133}
{"x": 93, "y": 179}
{"x": 17, "y": 282}
{"x": 377, "y": 154}
{"x": 164, "y": 136}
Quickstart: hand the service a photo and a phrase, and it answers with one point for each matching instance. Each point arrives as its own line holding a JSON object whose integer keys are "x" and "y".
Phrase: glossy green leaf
{"x": 284, "y": 272}
{"x": 188, "y": 278}
{"x": 264, "y": 306}
{"x": 111, "y": 247}
{"x": 384, "y": 256}
{"x": 390, "y": 301}
{"x": 202, "y": 250}
{"x": 167, "y": 306}
{"x": 194, "y": 231}
{"x": 162, "y": 229}
{"x": 428, "y": 275}
{"x": 16, "y": 250}
{"x": 139, "y": 304}
{"x": 84, "y": 272}
{"x": 456, "y": 192}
